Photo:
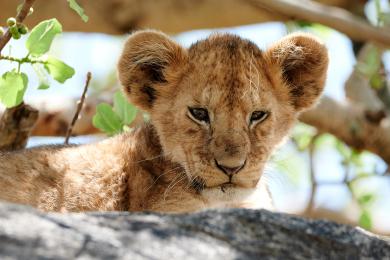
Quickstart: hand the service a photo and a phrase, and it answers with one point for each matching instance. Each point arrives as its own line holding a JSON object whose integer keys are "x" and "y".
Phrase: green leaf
{"x": 126, "y": 111}
{"x": 42, "y": 35}
{"x": 344, "y": 150}
{"x": 78, "y": 9}
{"x": 356, "y": 158}
{"x": 302, "y": 136}
{"x": 365, "y": 220}
{"x": 291, "y": 165}
{"x": 106, "y": 120}
{"x": 58, "y": 69}
{"x": 385, "y": 17}
{"x": 324, "y": 141}
{"x": 42, "y": 76}
{"x": 303, "y": 24}
{"x": 13, "y": 85}
{"x": 366, "y": 199}
{"x": 371, "y": 63}
{"x": 377, "y": 81}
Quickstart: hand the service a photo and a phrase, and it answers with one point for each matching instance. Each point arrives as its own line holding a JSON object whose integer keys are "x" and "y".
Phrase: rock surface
{"x": 219, "y": 234}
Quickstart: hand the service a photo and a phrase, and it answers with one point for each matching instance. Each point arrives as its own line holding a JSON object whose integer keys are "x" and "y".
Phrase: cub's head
{"x": 221, "y": 106}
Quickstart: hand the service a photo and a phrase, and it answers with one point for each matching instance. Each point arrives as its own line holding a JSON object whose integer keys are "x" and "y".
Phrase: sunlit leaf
{"x": 356, "y": 157}
{"x": 377, "y": 81}
{"x": 42, "y": 35}
{"x": 126, "y": 111}
{"x": 290, "y": 164}
{"x": 78, "y": 9}
{"x": 106, "y": 120}
{"x": 365, "y": 220}
{"x": 344, "y": 150}
{"x": 366, "y": 199}
{"x": 58, "y": 69}
{"x": 371, "y": 64}
{"x": 42, "y": 76}
{"x": 385, "y": 17}
{"x": 13, "y": 85}
{"x": 302, "y": 136}
{"x": 324, "y": 140}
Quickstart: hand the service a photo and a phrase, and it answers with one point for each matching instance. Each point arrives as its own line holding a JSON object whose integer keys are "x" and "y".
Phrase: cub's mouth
{"x": 199, "y": 184}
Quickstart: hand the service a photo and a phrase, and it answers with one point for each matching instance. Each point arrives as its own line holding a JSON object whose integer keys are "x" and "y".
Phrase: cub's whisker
{"x": 164, "y": 173}
{"x": 172, "y": 184}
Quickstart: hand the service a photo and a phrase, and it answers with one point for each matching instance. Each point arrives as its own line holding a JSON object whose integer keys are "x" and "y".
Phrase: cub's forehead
{"x": 225, "y": 49}
{"x": 229, "y": 63}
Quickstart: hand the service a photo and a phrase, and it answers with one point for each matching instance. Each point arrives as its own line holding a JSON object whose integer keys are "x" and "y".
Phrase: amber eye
{"x": 199, "y": 114}
{"x": 259, "y": 116}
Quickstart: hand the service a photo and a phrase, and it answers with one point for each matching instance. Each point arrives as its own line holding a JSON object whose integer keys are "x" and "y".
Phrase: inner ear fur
{"x": 300, "y": 63}
{"x": 149, "y": 61}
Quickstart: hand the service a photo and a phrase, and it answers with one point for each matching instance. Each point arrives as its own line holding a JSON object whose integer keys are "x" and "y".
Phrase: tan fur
{"x": 170, "y": 164}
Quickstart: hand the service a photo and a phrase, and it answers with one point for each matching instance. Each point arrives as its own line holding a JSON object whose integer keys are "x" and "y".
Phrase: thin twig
{"x": 79, "y": 107}
{"x": 22, "y": 60}
{"x": 314, "y": 184}
{"x": 27, "y": 4}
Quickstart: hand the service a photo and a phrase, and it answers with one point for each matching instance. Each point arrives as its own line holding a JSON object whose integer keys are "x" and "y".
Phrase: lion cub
{"x": 218, "y": 109}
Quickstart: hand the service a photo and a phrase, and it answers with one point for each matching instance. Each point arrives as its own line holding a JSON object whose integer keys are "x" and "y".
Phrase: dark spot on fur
{"x": 198, "y": 184}
{"x": 297, "y": 92}
{"x": 154, "y": 72}
{"x": 191, "y": 131}
{"x": 128, "y": 89}
{"x": 232, "y": 46}
{"x": 150, "y": 91}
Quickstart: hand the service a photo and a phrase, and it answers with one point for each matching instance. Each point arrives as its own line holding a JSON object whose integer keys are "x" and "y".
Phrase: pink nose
{"x": 229, "y": 170}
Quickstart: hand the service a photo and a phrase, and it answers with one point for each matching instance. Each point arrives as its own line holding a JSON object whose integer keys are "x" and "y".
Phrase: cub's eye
{"x": 199, "y": 114}
{"x": 259, "y": 116}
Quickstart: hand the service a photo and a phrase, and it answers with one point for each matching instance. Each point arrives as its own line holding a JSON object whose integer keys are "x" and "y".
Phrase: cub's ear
{"x": 299, "y": 62}
{"x": 149, "y": 60}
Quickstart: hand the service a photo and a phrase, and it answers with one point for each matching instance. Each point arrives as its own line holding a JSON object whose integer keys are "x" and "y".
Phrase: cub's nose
{"x": 229, "y": 170}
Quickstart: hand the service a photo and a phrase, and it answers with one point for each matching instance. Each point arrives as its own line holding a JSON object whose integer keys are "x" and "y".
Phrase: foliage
{"x": 80, "y": 11}
{"x": 12, "y": 88}
{"x": 353, "y": 162}
{"x": 114, "y": 120}
{"x": 13, "y": 83}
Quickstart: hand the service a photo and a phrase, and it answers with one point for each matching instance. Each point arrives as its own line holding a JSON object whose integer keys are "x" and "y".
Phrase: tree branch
{"x": 349, "y": 123}
{"x": 357, "y": 87}
{"x": 334, "y": 17}
{"x": 27, "y": 4}
{"x": 15, "y": 126}
{"x": 170, "y": 16}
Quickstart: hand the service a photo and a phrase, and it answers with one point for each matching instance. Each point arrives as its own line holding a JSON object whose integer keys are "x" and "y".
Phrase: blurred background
{"x": 336, "y": 164}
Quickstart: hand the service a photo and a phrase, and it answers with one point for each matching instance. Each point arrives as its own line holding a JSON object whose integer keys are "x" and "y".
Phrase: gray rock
{"x": 217, "y": 234}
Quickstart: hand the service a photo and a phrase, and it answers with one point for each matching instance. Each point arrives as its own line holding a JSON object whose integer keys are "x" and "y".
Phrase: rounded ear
{"x": 148, "y": 61}
{"x": 300, "y": 62}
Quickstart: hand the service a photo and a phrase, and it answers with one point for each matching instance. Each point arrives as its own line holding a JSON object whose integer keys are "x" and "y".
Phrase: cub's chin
{"x": 233, "y": 196}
